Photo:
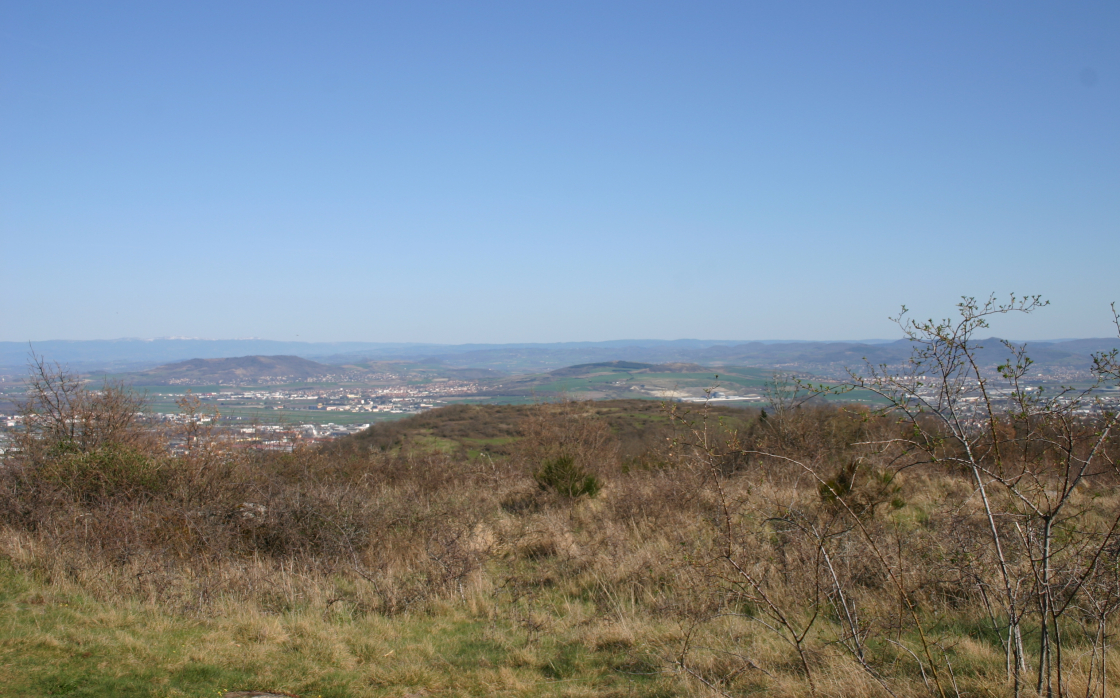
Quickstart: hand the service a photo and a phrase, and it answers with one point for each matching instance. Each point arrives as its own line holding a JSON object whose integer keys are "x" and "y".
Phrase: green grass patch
{"x": 69, "y": 645}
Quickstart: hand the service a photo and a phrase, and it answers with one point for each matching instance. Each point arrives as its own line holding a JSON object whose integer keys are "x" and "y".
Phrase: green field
{"x": 620, "y": 381}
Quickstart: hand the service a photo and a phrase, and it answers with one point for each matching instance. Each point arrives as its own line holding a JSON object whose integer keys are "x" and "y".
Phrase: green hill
{"x": 630, "y": 379}
{"x": 241, "y": 369}
{"x": 495, "y": 429}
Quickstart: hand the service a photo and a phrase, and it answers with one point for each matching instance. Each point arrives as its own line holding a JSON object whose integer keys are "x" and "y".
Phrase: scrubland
{"x": 618, "y": 549}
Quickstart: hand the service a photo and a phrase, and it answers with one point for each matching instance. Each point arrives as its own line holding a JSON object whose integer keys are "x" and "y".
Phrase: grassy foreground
{"x": 57, "y": 641}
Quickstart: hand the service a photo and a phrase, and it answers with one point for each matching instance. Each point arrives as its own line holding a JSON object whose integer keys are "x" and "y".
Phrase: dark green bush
{"x": 566, "y": 478}
{"x": 112, "y": 471}
{"x": 862, "y": 488}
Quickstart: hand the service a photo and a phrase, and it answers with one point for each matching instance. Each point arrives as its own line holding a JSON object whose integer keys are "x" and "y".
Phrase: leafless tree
{"x": 1029, "y": 454}
{"x": 62, "y": 414}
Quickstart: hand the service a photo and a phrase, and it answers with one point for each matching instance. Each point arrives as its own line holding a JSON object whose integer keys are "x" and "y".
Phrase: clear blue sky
{"x": 527, "y": 171}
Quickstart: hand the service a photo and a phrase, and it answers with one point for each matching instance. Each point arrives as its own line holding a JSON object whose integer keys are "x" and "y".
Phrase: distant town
{"x": 398, "y": 399}
{"x": 278, "y": 402}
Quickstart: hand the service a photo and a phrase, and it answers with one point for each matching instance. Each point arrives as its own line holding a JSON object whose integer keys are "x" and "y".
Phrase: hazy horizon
{"x": 873, "y": 340}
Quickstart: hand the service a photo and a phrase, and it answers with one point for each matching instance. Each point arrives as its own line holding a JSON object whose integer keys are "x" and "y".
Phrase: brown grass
{"x": 694, "y": 569}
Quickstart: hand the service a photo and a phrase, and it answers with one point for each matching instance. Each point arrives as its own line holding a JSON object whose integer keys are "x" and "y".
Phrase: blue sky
{"x": 512, "y": 172}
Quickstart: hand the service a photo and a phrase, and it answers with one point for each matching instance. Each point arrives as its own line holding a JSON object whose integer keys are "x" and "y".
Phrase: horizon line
{"x": 878, "y": 340}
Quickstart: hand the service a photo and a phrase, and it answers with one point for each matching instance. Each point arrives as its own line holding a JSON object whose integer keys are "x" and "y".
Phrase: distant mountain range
{"x": 822, "y": 358}
{"x": 138, "y": 354}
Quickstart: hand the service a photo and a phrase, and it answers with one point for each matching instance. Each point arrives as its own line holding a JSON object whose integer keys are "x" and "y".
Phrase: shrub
{"x": 112, "y": 471}
{"x": 566, "y": 478}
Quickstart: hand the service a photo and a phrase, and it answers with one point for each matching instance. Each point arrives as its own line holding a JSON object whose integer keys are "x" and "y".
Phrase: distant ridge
{"x": 237, "y": 370}
{"x": 632, "y": 366}
{"x": 134, "y": 354}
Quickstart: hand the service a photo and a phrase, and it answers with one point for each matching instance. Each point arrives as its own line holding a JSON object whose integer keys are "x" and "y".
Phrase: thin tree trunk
{"x": 1014, "y": 637}
{"x": 1044, "y": 654}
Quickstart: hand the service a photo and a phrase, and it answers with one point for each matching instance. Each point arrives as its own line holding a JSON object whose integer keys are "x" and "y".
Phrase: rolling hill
{"x": 495, "y": 429}
{"x": 237, "y": 370}
{"x": 629, "y": 379}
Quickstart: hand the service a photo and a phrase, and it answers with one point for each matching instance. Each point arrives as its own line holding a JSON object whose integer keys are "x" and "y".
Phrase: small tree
{"x": 85, "y": 445}
{"x": 1029, "y": 454}
{"x": 62, "y": 415}
{"x": 1030, "y": 539}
